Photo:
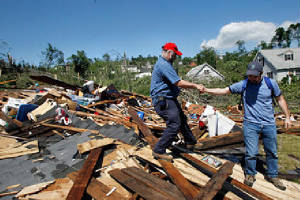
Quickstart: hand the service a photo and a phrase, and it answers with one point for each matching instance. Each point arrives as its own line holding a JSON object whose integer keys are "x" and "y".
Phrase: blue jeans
{"x": 176, "y": 121}
{"x": 269, "y": 137}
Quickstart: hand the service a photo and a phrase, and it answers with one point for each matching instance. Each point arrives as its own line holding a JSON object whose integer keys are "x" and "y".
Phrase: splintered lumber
{"x": 8, "y": 193}
{"x": 188, "y": 190}
{"x": 57, "y": 190}
{"x": 102, "y": 102}
{"x": 4, "y": 82}
{"x": 93, "y": 144}
{"x": 233, "y": 181}
{"x": 135, "y": 94}
{"x": 222, "y": 140}
{"x": 146, "y": 185}
{"x": 98, "y": 190}
{"x": 84, "y": 175}
{"x": 108, "y": 118}
{"x": 51, "y": 81}
{"x": 216, "y": 182}
{"x": 144, "y": 129}
{"x": 33, "y": 188}
{"x": 79, "y": 130}
{"x": 14, "y": 137}
{"x": 23, "y": 149}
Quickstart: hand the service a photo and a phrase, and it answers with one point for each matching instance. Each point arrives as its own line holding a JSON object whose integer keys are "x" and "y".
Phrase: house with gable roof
{"x": 204, "y": 72}
{"x": 279, "y": 63}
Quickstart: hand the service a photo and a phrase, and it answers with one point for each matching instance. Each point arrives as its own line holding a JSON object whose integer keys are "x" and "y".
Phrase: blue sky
{"x": 137, "y": 27}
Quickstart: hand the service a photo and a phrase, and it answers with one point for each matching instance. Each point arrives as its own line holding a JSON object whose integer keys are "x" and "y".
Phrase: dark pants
{"x": 176, "y": 121}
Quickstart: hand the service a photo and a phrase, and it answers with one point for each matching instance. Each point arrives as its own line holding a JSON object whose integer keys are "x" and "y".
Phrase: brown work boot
{"x": 163, "y": 156}
{"x": 249, "y": 180}
{"x": 276, "y": 182}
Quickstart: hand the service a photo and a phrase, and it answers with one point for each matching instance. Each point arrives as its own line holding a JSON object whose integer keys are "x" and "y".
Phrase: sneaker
{"x": 249, "y": 180}
{"x": 163, "y": 156}
{"x": 276, "y": 182}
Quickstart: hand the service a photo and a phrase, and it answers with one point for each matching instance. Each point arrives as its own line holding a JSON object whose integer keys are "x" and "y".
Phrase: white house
{"x": 141, "y": 75}
{"x": 204, "y": 72}
{"x": 279, "y": 63}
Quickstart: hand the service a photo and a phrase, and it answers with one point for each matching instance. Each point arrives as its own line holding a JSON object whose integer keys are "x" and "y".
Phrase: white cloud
{"x": 286, "y": 24}
{"x": 251, "y": 31}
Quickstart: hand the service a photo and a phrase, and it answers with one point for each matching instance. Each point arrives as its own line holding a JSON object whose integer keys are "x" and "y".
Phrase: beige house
{"x": 204, "y": 72}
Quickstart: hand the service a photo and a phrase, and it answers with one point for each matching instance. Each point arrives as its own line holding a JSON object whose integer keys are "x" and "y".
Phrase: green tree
{"x": 209, "y": 55}
{"x": 80, "y": 62}
{"x": 187, "y": 60}
{"x": 294, "y": 32}
{"x": 52, "y": 56}
{"x": 264, "y": 45}
{"x": 241, "y": 46}
{"x": 280, "y": 37}
{"x": 106, "y": 57}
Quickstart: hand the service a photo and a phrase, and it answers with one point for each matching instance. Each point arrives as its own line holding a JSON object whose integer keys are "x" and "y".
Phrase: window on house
{"x": 288, "y": 57}
{"x": 270, "y": 74}
{"x": 261, "y": 60}
{"x": 206, "y": 71}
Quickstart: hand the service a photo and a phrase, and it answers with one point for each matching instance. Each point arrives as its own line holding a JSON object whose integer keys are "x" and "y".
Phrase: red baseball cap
{"x": 173, "y": 47}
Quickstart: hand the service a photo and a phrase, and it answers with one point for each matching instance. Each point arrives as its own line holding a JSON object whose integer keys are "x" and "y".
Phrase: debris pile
{"x": 68, "y": 142}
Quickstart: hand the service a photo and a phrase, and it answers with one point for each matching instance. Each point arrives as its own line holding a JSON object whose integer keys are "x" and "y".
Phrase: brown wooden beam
{"x": 234, "y": 182}
{"x": 146, "y": 185}
{"x": 98, "y": 190}
{"x": 84, "y": 176}
{"x": 216, "y": 182}
{"x": 222, "y": 140}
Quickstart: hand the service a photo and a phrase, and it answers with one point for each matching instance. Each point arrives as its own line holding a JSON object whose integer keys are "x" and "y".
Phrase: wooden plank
{"x": 79, "y": 130}
{"x": 4, "y": 82}
{"x": 213, "y": 142}
{"x": 14, "y": 137}
{"x": 234, "y": 182}
{"x": 93, "y": 144}
{"x": 107, "y": 117}
{"x": 135, "y": 94}
{"x": 51, "y": 81}
{"x": 98, "y": 190}
{"x": 144, "y": 129}
{"x": 8, "y": 193}
{"x": 156, "y": 183}
{"x": 102, "y": 102}
{"x": 216, "y": 182}
{"x": 84, "y": 176}
{"x": 137, "y": 186}
{"x": 23, "y": 149}
{"x": 188, "y": 190}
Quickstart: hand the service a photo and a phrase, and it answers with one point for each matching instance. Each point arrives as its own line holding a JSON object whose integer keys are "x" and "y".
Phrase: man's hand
{"x": 287, "y": 123}
{"x": 200, "y": 88}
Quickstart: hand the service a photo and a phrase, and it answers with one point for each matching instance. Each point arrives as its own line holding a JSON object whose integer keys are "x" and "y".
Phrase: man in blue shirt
{"x": 165, "y": 84}
{"x": 257, "y": 93}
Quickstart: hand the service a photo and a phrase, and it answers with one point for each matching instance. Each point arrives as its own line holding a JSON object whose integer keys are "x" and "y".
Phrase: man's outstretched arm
{"x": 217, "y": 91}
{"x": 187, "y": 84}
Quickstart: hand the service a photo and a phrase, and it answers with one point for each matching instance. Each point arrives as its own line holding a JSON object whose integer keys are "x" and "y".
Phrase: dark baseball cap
{"x": 254, "y": 68}
{"x": 173, "y": 47}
